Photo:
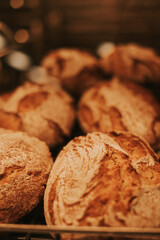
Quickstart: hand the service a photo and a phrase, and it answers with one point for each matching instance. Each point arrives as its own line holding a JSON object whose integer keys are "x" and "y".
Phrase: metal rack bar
{"x": 107, "y": 231}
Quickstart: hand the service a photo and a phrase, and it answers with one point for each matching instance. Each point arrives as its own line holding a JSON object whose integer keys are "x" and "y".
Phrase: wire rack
{"x": 33, "y": 227}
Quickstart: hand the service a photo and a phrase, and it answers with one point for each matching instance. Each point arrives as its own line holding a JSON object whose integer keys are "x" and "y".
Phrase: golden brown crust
{"x": 104, "y": 180}
{"x": 120, "y": 106}
{"x": 76, "y": 69}
{"x": 132, "y": 62}
{"x": 25, "y": 164}
{"x": 44, "y": 111}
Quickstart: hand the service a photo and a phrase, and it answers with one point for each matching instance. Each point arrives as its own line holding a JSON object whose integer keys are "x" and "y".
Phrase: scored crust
{"x": 43, "y": 111}
{"x": 104, "y": 180}
{"x": 132, "y": 62}
{"x": 25, "y": 164}
{"x": 76, "y": 69}
{"x": 120, "y": 106}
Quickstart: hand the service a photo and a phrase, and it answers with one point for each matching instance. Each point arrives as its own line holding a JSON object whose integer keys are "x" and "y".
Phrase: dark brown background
{"x": 85, "y": 23}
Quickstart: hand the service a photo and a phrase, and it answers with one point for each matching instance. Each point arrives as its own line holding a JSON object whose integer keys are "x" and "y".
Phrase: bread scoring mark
{"x": 116, "y": 119}
{"x": 10, "y": 173}
{"x": 58, "y": 134}
{"x": 10, "y": 120}
{"x": 85, "y": 114}
{"x": 61, "y": 62}
{"x": 96, "y": 96}
{"x": 32, "y": 101}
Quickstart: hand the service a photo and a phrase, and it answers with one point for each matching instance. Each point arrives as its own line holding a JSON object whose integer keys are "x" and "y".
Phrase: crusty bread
{"x": 25, "y": 164}
{"x": 43, "y": 111}
{"x": 76, "y": 69}
{"x": 132, "y": 62}
{"x": 104, "y": 180}
{"x": 120, "y": 106}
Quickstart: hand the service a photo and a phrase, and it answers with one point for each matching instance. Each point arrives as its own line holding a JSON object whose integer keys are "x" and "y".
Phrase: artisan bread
{"x": 133, "y": 62}
{"x": 44, "y": 111}
{"x": 25, "y": 164}
{"x": 76, "y": 69}
{"x": 120, "y": 106}
{"x": 104, "y": 180}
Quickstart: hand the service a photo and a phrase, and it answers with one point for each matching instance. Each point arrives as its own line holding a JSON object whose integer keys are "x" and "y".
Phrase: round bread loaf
{"x": 43, "y": 111}
{"x": 104, "y": 180}
{"x": 76, "y": 69}
{"x": 132, "y": 62}
{"x": 120, "y": 106}
{"x": 25, "y": 164}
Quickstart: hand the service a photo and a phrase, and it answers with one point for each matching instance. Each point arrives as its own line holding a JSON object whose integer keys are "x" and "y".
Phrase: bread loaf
{"x": 44, "y": 111}
{"x": 120, "y": 106}
{"x": 104, "y": 180}
{"x": 132, "y": 62}
{"x": 25, "y": 164}
{"x": 76, "y": 69}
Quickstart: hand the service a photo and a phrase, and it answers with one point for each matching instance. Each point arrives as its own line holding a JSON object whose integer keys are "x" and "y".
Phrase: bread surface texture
{"x": 133, "y": 62}
{"x": 44, "y": 111}
{"x": 104, "y": 180}
{"x": 76, "y": 69}
{"x": 120, "y": 106}
{"x": 25, "y": 164}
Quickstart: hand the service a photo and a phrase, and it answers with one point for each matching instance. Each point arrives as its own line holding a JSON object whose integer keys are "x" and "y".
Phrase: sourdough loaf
{"x": 44, "y": 111}
{"x": 104, "y": 180}
{"x": 76, "y": 69}
{"x": 120, "y": 106}
{"x": 132, "y": 62}
{"x": 25, "y": 164}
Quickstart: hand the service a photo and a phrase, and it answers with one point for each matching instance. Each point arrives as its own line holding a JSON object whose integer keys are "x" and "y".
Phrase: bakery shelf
{"x": 43, "y": 231}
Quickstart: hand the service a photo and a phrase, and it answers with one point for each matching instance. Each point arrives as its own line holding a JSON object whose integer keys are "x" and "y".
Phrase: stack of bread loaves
{"x": 108, "y": 177}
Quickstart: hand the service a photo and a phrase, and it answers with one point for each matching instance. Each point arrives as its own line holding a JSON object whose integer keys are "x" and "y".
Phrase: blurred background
{"x": 46, "y": 24}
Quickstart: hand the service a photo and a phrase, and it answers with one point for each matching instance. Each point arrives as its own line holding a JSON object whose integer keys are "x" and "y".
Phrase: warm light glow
{"x": 54, "y": 18}
{"x": 21, "y": 36}
{"x": 16, "y": 3}
{"x": 105, "y": 49}
{"x": 38, "y": 74}
{"x": 36, "y": 27}
{"x": 19, "y": 60}
{"x": 32, "y": 3}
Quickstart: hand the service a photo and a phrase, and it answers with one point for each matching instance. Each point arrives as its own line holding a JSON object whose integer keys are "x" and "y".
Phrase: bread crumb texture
{"x": 104, "y": 180}
{"x": 120, "y": 106}
{"x": 25, "y": 164}
{"x": 44, "y": 111}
